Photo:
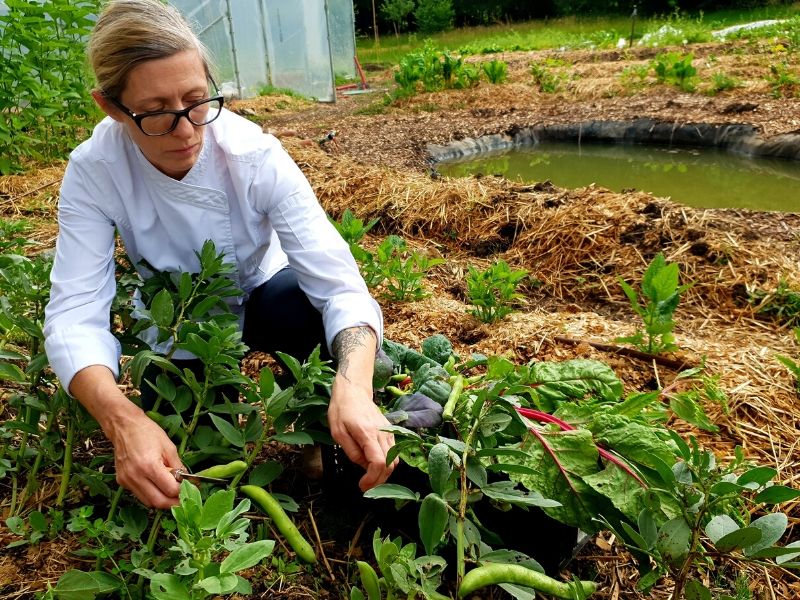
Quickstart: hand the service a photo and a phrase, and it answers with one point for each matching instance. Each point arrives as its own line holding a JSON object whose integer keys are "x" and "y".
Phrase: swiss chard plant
{"x": 660, "y": 294}
{"x": 562, "y": 436}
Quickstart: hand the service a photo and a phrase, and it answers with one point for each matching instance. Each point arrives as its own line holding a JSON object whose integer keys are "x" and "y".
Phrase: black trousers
{"x": 278, "y": 318}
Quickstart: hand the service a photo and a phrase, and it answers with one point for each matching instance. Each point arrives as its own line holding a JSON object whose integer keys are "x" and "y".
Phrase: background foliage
{"x": 483, "y": 12}
{"x": 45, "y": 103}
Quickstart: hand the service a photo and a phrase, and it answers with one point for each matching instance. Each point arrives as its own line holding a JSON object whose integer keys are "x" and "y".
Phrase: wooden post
{"x": 375, "y": 25}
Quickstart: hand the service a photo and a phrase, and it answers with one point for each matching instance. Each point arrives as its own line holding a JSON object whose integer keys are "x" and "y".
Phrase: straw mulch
{"x": 577, "y": 244}
{"x": 33, "y": 197}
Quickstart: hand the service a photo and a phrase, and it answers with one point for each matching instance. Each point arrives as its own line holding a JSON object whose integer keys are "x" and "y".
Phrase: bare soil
{"x": 576, "y": 243}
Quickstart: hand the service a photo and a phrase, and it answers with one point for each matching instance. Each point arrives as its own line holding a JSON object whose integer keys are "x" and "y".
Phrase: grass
{"x": 568, "y": 32}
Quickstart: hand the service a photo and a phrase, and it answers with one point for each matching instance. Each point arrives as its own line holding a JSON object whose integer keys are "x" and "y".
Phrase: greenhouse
{"x": 298, "y": 45}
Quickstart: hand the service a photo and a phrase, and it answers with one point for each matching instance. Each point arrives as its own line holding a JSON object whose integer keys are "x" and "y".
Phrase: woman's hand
{"x": 143, "y": 453}
{"x": 145, "y": 458}
{"x": 354, "y": 419}
{"x": 356, "y": 425}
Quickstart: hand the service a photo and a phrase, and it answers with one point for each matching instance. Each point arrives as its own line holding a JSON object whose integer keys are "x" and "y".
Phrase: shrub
{"x": 674, "y": 68}
{"x": 434, "y": 15}
{"x": 493, "y": 292}
{"x": 721, "y": 82}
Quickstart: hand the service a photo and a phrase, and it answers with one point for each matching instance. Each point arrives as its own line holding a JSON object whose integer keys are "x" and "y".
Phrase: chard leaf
{"x": 557, "y": 382}
{"x": 506, "y": 491}
{"x": 635, "y": 442}
{"x": 558, "y": 461}
{"x": 625, "y": 493}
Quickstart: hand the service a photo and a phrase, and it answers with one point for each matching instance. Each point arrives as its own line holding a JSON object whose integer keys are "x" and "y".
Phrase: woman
{"x": 169, "y": 168}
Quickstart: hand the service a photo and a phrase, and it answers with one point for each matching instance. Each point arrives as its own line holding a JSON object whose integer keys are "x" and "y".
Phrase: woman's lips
{"x": 185, "y": 151}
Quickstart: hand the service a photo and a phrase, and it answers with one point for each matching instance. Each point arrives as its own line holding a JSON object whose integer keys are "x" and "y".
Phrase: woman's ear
{"x": 106, "y": 106}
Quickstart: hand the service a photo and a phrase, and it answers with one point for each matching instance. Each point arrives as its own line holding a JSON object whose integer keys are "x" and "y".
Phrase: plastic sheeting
{"x": 298, "y": 47}
{"x": 341, "y": 27}
{"x": 302, "y": 45}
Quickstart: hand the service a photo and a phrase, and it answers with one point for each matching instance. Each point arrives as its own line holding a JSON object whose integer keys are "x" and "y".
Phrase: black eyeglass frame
{"x": 177, "y": 114}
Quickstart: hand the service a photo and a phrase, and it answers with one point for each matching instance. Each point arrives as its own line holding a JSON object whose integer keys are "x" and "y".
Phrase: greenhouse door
{"x": 299, "y": 48}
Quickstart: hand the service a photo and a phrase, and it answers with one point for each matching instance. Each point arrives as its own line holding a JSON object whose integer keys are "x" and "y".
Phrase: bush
{"x": 45, "y": 104}
{"x": 434, "y": 15}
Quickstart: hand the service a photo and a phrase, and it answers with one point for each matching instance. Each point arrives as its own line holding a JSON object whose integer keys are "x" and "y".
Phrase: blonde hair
{"x": 130, "y": 32}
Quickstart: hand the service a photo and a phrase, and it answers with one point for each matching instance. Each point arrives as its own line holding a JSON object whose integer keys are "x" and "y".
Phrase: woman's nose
{"x": 184, "y": 127}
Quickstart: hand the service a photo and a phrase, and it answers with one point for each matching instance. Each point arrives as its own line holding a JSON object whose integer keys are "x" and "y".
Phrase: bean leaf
{"x": 432, "y": 521}
{"x": 772, "y": 527}
{"x": 246, "y": 556}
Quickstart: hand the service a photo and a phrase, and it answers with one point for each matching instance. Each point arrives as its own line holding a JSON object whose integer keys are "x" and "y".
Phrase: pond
{"x": 703, "y": 178}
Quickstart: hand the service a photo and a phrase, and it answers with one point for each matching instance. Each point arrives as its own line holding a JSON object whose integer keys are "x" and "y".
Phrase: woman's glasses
{"x": 162, "y": 122}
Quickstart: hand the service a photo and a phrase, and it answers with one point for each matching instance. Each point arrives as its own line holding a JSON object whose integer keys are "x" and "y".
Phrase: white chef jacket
{"x": 244, "y": 192}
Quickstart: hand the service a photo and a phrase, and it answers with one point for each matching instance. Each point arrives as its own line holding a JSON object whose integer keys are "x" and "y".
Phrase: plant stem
{"x": 462, "y": 505}
{"x": 683, "y": 574}
{"x": 66, "y": 471}
{"x": 37, "y": 463}
{"x": 13, "y": 501}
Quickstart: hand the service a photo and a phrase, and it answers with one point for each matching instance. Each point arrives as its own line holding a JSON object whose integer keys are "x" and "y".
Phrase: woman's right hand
{"x": 143, "y": 453}
{"x": 145, "y": 459}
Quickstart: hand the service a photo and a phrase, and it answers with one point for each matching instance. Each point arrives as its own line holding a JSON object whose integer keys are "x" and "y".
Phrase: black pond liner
{"x": 740, "y": 138}
{"x": 551, "y": 543}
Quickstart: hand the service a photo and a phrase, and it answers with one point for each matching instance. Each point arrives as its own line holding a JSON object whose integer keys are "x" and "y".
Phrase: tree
{"x": 434, "y": 15}
{"x": 397, "y": 12}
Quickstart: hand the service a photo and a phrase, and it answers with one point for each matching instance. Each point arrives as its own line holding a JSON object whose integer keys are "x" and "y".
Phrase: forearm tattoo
{"x": 348, "y": 340}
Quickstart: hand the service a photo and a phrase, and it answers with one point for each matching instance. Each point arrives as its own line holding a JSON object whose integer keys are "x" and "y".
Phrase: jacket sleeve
{"x": 325, "y": 268}
{"x": 77, "y": 318}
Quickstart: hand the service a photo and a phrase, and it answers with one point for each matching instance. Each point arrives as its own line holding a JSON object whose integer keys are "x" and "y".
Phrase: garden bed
{"x": 577, "y": 244}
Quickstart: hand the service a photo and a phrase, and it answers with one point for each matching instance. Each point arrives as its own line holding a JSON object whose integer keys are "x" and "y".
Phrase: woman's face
{"x": 171, "y": 83}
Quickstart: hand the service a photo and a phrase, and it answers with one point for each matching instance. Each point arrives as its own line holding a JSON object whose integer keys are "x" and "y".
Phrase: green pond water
{"x": 703, "y": 178}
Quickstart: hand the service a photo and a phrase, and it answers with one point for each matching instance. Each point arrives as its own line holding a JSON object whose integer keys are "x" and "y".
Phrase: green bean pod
{"x": 286, "y": 527}
{"x": 227, "y": 471}
{"x": 496, "y": 573}
{"x": 450, "y": 406}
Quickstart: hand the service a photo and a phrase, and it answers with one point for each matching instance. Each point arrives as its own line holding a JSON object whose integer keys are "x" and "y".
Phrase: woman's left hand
{"x": 356, "y": 424}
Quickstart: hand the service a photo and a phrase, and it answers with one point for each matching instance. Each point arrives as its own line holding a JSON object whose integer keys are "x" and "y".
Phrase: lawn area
{"x": 566, "y": 33}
